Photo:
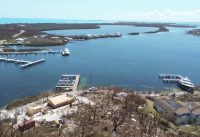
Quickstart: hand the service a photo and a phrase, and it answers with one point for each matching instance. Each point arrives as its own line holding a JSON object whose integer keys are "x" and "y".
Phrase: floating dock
{"x": 24, "y": 62}
{"x": 32, "y": 63}
{"x": 17, "y": 61}
{"x": 69, "y": 82}
{"x": 170, "y": 78}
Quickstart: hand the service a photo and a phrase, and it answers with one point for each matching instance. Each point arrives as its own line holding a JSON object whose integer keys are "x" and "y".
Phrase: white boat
{"x": 93, "y": 89}
{"x": 66, "y": 52}
{"x": 186, "y": 84}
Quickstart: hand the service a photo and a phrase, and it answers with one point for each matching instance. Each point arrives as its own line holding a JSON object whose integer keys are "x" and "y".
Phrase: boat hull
{"x": 65, "y": 54}
{"x": 186, "y": 88}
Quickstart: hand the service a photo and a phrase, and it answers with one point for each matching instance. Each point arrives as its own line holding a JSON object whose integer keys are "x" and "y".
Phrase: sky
{"x": 123, "y": 10}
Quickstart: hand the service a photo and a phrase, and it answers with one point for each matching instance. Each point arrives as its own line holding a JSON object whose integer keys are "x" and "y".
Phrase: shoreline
{"x": 35, "y": 35}
{"x": 84, "y": 86}
{"x": 160, "y": 29}
{"x": 29, "y": 99}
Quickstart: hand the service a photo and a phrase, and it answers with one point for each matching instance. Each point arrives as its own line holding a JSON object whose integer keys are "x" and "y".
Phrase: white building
{"x": 20, "y": 40}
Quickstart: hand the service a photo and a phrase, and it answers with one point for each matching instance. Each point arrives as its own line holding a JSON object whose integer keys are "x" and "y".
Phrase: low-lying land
{"x": 160, "y": 29}
{"x": 105, "y": 112}
{"x": 195, "y": 32}
{"x": 89, "y": 36}
{"x": 134, "y": 33}
{"x": 34, "y": 34}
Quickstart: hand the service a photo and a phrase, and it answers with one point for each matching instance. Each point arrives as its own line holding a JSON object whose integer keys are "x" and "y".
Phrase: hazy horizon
{"x": 128, "y": 10}
{"x": 106, "y": 21}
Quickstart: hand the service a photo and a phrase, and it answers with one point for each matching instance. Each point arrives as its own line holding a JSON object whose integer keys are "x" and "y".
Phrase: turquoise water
{"x": 129, "y": 61}
{"x": 103, "y": 30}
{"x": 30, "y": 20}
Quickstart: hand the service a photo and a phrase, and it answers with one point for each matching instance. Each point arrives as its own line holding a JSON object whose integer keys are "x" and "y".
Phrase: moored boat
{"x": 66, "y": 52}
{"x": 186, "y": 85}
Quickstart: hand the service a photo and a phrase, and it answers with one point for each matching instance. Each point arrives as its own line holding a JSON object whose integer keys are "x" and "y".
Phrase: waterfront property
{"x": 178, "y": 112}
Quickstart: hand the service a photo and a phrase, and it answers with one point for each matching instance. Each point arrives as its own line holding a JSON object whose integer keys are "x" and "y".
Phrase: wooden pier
{"x": 68, "y": 82}
{"x": 170, "y": 78}
{"x": 24, "y": 62}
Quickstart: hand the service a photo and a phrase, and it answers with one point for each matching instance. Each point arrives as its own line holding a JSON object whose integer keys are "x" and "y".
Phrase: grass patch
{"x": 191, "y": 129}
{"x": 149, "y": 108}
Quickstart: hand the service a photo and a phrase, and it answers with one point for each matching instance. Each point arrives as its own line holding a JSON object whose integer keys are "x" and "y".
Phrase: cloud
{"x": 160, "y": 15}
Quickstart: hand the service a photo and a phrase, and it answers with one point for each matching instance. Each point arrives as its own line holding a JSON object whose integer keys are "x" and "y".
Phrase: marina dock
{"x": 69, "y": 82}
{"x": 183, "y": 82}
{"x": 170, "y": 78}
{"x": 32, "y": 63}
{"x": 13, "y": 61}
{"x": 24, "y": 62}
{"x": 32, "y": 52}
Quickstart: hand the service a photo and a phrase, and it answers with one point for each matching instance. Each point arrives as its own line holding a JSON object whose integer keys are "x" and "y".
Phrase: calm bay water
{"x": 129, "y": 61}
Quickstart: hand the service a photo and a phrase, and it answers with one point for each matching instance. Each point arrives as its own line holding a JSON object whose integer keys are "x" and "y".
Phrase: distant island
{"x": 195, "y": 32}
{"x": 160, "y": 29}
{"x": 34, "y": 34}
